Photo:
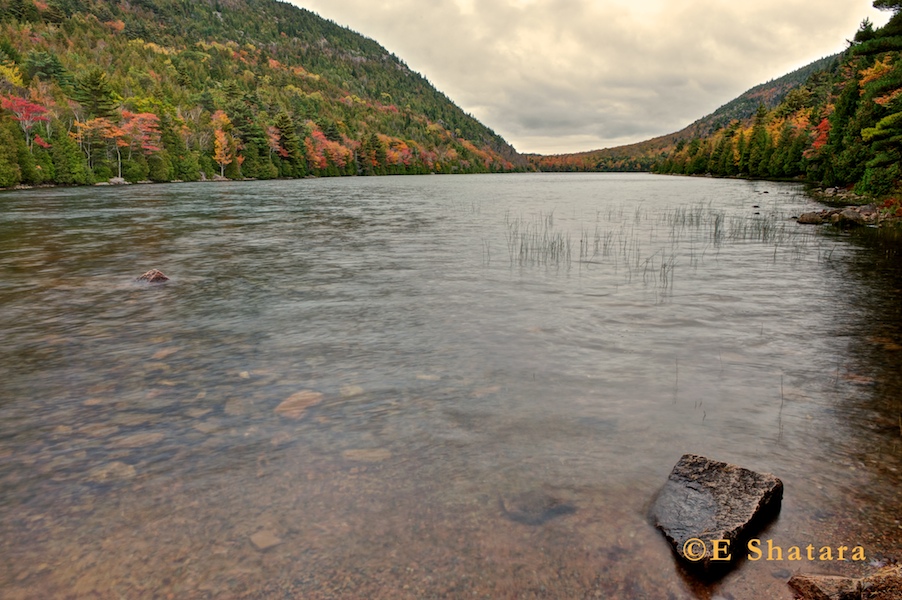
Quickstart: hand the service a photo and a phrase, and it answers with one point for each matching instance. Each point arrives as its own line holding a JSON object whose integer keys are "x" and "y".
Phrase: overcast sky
{"x": 554, "y": 76}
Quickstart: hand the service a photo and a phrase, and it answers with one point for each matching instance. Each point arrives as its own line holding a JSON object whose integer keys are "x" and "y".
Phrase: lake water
{"x": 489, "y": 379}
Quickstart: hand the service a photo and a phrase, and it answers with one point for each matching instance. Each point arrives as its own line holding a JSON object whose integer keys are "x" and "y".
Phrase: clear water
{"x": 485, "y": 347}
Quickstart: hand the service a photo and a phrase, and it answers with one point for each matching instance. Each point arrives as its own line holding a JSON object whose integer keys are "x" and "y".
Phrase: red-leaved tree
{"x": 26, "y": 113}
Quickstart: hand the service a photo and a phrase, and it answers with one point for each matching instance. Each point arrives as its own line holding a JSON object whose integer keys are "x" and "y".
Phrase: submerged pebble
{"x": 297, "y": 404}
{"x": 367, "y": 454}
{"x": 264, "y": 540}
{"x": 138, "y": 440}
{"x": 115, "y": 470}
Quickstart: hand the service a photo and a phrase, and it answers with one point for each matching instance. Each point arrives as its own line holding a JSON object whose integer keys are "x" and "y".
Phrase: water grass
{"x": 536, "y": 242}
{"x": 653, "y": 246}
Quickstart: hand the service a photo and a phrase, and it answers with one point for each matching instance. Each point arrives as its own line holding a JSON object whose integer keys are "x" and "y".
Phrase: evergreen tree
{"x": 68, "y": 161}
{"x": 95, "y": 95}
{"x": 291, "y": 158}
{"x": 10, "y": 172}
{"x": 759, "y": 145}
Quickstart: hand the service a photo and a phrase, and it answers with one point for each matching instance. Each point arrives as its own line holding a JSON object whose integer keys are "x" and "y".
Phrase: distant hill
{"x": 835, "y": 122}
{"x": 180, "y": 89}
{"x": 841, "y": 126}
{"x": 642, "y": 156}
{"x": 769, "y": 94}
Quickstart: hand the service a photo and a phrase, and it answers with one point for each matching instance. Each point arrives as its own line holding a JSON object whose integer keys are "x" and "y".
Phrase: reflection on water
{"x": 487, "y": 380}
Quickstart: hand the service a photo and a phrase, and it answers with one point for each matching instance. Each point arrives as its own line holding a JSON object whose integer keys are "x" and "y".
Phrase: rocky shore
{"x": 847, "y": 217}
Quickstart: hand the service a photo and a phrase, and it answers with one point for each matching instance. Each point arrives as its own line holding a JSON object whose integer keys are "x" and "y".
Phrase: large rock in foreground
{"x": 705, "y": 501}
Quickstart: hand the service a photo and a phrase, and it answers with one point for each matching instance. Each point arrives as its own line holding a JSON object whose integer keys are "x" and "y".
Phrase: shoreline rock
{"x": 708, "y": 508}
{"x": 846, "y": 218}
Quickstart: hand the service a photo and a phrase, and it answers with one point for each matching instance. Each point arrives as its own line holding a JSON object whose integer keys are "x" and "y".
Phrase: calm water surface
{"x": 490, "y": 377}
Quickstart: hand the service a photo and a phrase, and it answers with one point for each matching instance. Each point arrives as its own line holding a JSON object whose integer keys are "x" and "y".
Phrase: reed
{"x": 653, "y": 245}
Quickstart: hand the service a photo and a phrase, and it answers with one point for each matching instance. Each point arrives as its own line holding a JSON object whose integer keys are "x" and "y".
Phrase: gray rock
{"x": 850, "y": 217}
{"x": 708, "y": 500}
{"x": 810, "y": 218}
{"x": 825, "y": 587}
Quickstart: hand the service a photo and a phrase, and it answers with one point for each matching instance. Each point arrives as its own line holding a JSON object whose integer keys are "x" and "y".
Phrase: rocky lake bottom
{"x": 432, "y": 387}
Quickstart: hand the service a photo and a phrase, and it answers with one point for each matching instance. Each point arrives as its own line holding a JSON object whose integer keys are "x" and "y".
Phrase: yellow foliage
{"x": 156, "y": 48}
{"x": 11, "y": 74}
{"x": 879, "y": 69}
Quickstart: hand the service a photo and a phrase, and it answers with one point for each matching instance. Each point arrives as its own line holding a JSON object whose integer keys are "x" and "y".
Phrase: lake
{"x": 431, "y": 387}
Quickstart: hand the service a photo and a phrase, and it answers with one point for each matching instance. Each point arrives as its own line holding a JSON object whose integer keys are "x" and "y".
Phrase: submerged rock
{"x": 367, "y": 454}
{"x": 138, "y": 440}
{"x": 885, "y": 584}
{"x": 825, "y": 587}
{"x": 534, "y": 507}
{"x": 264, "y": 540}
{"x": 297, "y": 404}
{"x": 705, "y": 501}
{"x": 153, "y": 276}
{"x": 110, "y": 472}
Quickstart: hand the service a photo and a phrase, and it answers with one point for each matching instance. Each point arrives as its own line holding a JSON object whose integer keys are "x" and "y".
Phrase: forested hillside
{"x": 837, "y": 122}
{"x": 644, "y": 156}
{"x": 167, "y": 90}
{"x": 842, "y": 127}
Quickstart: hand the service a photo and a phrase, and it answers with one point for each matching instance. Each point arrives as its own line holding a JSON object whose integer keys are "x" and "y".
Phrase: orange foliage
{"x": 879, "y": 69}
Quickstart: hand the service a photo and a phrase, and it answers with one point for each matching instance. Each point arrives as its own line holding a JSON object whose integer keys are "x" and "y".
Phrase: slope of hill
{"x": 180, "y": 89}
{"x": 843, "y": 127}
{"x": 642, "y": 156}
{"x": 836, "y": 122}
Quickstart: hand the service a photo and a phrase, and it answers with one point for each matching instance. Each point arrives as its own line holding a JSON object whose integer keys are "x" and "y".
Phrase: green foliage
{"x": 10, "y": 172}
{"x": 68, "y": 161}
{"x": 94, "y": 93}
{"x": 894, "y": 5}
{"x": 47, "y": 66}
{"x": 281, "y": 75}
{"x": 135, "y": 169}
{"x": 841, "y": 127}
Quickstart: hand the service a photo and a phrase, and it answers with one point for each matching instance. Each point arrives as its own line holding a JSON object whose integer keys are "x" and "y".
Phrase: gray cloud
{"x": 570, "y": 75}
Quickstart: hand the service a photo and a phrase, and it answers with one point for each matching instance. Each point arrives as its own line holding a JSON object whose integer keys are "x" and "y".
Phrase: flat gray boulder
{"x": 707, "y": 509}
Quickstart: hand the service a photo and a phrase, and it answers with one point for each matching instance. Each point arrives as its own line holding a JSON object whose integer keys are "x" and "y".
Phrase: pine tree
{"x": 10, "y": 173}
{"x": 68, "y": 162}
{"x": 95, "y": 95}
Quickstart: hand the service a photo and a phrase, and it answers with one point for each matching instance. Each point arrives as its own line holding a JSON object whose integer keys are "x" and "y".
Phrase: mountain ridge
{"x": 235, "y": 88}
{"x": 641, "y": 156}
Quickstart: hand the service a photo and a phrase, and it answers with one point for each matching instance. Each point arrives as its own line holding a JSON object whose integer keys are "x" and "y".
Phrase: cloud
{"x": 570, "y": 75}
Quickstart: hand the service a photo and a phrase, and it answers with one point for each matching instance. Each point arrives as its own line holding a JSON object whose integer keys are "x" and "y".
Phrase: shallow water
{"x": 498, "y": 373}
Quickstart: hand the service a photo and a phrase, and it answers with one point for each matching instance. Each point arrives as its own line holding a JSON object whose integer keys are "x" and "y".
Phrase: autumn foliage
{"x": 182, "y": 91}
